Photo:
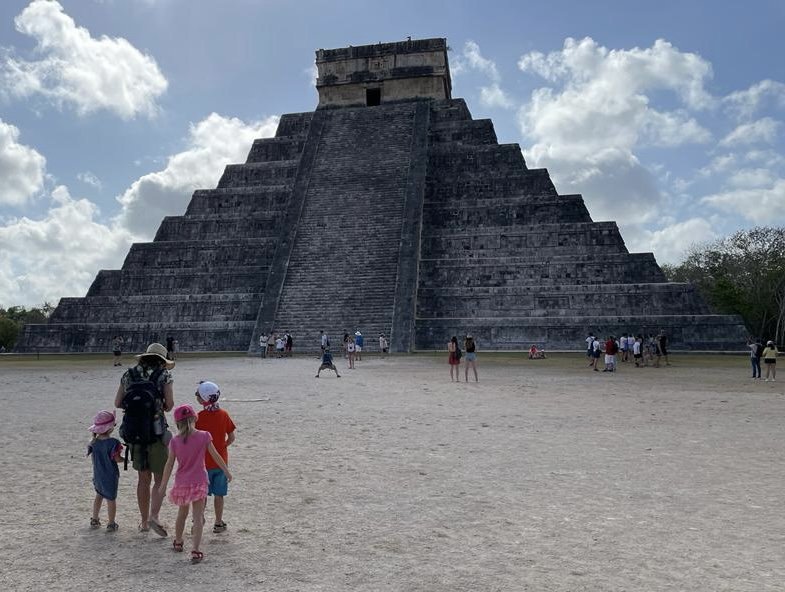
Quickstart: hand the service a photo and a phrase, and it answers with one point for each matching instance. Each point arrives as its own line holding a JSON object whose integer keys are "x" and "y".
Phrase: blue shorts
{"x": 217, "y": 483}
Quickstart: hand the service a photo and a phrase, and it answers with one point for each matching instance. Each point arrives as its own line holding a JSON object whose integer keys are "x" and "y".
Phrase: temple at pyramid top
{"x": 370, "y": 75}
{"x": 388, "y": 210}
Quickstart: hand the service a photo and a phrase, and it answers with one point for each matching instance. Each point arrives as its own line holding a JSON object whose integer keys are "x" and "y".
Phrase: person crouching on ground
{"x": 189, "y": 492}
{"x": 152, "y": 370}
{"x": 106, "y": 452}
{"x": 327, "y": 363}
{"x": 221, "y": 427}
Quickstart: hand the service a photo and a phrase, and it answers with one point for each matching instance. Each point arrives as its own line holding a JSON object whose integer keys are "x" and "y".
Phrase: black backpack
{"x": 142, "y": 406}
{"x": 758, "y": 350}
{"x": 458, "y": 353}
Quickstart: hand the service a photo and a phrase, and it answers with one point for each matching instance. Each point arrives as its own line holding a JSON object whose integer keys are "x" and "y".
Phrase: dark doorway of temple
{"x": 373, "y": 97}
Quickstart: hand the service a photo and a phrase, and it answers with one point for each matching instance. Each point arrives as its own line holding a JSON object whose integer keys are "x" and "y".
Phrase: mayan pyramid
{"x": 390, "y": 210}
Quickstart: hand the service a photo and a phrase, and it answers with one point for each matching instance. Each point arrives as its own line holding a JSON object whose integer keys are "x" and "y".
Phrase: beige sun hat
{"x": 156, "y": 350}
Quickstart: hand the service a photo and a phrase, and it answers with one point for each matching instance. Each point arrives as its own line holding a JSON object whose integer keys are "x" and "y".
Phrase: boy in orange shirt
{"x": 221, "y": 427}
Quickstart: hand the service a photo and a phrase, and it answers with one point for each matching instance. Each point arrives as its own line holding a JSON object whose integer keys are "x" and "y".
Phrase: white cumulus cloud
{"x": 491, "y": 95}
{"x": 76, "y": 69}
{"x": 597, "y": 111}
{"x": 58, "y": 255}
{"x": 744, "y": 103}
{"x": 22, "y": 168}
{"x": 761, "y": 205}
{"x": 762, "y": 131}
{"x": 212, "y": 143}
{"x": 670, "y": 242}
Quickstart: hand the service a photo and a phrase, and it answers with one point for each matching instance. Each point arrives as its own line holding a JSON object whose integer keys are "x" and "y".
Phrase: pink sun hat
{"x": 103, "y": 422}
{"x": 183, "y": 412}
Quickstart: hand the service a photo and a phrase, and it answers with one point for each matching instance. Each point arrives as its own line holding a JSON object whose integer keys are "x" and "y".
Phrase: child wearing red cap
{"x": 106, "y": 452}
{"x": 217, "y": 421}
{"x": 190, "y": 482}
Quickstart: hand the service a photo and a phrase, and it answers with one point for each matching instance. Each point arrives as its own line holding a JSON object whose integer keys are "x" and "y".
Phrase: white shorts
{"x": 609, "y": 359}
{"x": 358, "y": 348}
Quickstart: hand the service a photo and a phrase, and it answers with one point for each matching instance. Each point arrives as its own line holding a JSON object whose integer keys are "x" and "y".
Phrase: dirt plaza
{"x": 542, "y": 476}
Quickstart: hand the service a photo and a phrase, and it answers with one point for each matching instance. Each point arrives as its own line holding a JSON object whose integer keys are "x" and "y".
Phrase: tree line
{"x": 14, "y": 318}
{"x": 743, "y": 274}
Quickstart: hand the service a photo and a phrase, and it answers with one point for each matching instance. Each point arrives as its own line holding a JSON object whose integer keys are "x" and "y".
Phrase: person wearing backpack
{"x": 145, "y": 394}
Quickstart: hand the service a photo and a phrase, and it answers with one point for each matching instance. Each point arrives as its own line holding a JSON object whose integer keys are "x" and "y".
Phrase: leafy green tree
{"x": 14, "y": 318}
{"x": 9, "y": 332}
{"x": 741, "y": 274}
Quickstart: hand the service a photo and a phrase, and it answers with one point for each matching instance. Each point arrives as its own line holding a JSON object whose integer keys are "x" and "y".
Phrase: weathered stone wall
{"x": 506, "y": 258}
{"x": 401, "y": 71}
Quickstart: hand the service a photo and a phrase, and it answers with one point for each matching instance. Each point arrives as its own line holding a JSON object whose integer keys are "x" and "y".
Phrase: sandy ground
{"x": 544, "y": 476}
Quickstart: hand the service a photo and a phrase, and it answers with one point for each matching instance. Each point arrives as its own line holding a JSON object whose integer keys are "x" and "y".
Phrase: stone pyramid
{"x": 390, "y": 210}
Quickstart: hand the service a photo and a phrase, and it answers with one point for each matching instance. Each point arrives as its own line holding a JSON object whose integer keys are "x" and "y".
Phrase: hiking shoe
{"x": 112, "y": 527}
{"x": 219, "y": 527}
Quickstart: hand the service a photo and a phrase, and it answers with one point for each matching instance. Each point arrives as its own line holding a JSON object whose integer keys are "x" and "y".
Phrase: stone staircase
{"x": 343, "y": 268}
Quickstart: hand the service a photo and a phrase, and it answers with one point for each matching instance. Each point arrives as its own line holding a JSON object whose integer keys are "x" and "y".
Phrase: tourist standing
{"x": 117, "y": 350}
{"x": 611, "y": 348}
{"x": 454, "y": 358}
{"x": 351, "y": 348}
{"x": 106, "y": 452}
{"x": 263, "y": 345}
{"x": 590, "y": 348}
{"x": 189, "y": 447}
{"x": 596, "y": 351}
{"x": 756, "y": 351}
{"x": 324, "y": 341}
{"x": 770, "y": 360}
{"x": 219, "y": 423}
{"x": 623, "y": 344}
{"x": 270, "y": 344}
{"x": 150, "y": 378}
{"x": 383, "y": 346}
{"x": 471, "y": 357}
{"x": 169, "y": 347}
{"x": 662, "y": 347}
{"x": 358, "y": 344}
{"x": 288, "y": 345}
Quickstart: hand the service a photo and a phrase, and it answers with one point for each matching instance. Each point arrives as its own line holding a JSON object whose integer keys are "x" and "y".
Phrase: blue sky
{"x": 667, "y": 117}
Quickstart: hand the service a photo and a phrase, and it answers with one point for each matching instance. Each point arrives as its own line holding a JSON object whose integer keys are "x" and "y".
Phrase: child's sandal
{"x": 177, "y": 546}
{"x": 95, "y": 523}
{"x": 196, "y": 556}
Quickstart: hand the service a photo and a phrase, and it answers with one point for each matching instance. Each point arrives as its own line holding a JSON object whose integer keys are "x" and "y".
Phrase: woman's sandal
{"x": 177, "y": 546}
{"x": 196, "y": 556}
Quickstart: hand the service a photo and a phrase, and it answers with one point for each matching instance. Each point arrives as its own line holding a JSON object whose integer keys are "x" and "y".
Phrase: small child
{"x": 106, "y": 452}
{"x": 221, "y": 427}
{"x": 327, "y": 363}
{"x": 190, "y": 482}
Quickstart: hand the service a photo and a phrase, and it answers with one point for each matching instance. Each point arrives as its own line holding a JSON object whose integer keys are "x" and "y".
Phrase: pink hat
{"x": 103, "y": 422}
{"x": 183, "y": 412}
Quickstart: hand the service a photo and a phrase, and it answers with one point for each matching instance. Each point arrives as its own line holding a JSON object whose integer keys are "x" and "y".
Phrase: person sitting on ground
{"x": 536, "y": 354}
{"x": 327, "y": 363}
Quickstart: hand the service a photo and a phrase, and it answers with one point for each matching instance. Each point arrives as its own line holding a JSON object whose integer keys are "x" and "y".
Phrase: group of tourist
{"x": 455, "y": 354}
{"x": 352, "y": 350}
{"x": 199, "y": 449}
{"x": 641, "y": 350}
{"x": 279, "y": 344}
{"x": 769, "y": 356}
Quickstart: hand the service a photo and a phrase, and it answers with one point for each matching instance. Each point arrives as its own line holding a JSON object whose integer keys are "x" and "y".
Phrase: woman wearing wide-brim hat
{"x": 149, "y": 459}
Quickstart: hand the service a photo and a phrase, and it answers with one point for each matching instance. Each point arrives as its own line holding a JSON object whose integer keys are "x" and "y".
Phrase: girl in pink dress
{"x": 190, "y": 481}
